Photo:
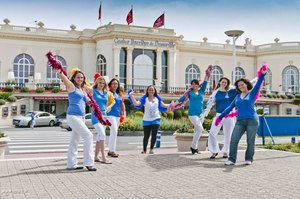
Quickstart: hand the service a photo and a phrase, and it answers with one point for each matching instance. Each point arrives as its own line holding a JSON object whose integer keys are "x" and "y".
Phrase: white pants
{"x": 79, "y": 129}
{"x": 213, "y": 145}
{"x": 196, "y": 121}
{"x": 100, "y": 129}
{"x": 115, "y": 123}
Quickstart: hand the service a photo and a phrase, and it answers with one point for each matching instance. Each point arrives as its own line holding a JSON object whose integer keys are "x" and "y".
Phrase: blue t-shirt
{"x": 101, "y": 100}
{"x": 196, "y": 101}
{"x": 116, "y": 109}
{"x": 224, "y": 99}
{"x": 77, "y": 100}
{"x": 245, "y": 106}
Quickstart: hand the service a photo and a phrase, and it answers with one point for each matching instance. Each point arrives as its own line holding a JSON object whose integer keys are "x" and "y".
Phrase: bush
{"x": 297, "y": 101}
{"x": 40, "y": 90}
{"x": 139, "y": 114}
{"x": 283, "y": 96}
{"x": 164, "y": 115}
{"x": 207, "y": 124}
{"x": 8, "y": 88}
{"x": 2, "y": 102}
{"x": 55, "y": 89}
{"x": 4, "y": 95}
{"x": 185, "y": 113}
{"x": 24, "y": 89}
{"x": 132, "y": 123}
{"x": 173, "y": 125}
{"x": 177, "y": 114}
{"x": 170, "y": 115}
{"x": 11, "y": 98}
{"x": 260, "y": 111}
{"x": 290, "y": 96}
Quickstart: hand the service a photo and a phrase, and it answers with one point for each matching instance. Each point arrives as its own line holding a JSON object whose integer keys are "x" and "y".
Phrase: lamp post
{"x": 235, "y": 35}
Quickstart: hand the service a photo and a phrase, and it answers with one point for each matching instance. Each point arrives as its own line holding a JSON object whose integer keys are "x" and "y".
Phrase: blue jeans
{"x": 249, "y": 125}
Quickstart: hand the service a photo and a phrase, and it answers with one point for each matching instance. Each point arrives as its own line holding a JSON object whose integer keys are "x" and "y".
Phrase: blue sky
{"x": 262, "y": 20}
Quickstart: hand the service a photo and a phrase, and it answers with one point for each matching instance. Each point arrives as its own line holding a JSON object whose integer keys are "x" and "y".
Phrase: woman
{"x": 151, "y": 120}
{"x": 117, "y": 110}
{"x": 195, "y": 95}
{"x": 222, "y": 97}
{"x": 247, "y": 119}
{"x": 75, "y": 119}
{"x": 105, "y": 101}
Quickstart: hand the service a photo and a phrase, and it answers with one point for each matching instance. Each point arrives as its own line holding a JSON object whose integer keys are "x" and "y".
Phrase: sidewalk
{"x": 166, "y": 174}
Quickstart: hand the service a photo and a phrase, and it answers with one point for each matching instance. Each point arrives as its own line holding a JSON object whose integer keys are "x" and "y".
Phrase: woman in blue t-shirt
{"x": 222, "y": 98}
{"x": 75, "y": 119}
{"x": 247, "y": 119}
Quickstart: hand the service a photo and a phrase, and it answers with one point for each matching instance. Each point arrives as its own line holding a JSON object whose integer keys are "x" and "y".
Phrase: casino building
{"x": 138, "y": 56}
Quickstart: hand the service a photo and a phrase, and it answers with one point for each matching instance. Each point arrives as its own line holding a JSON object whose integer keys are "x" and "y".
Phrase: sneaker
{"x": 228, "y": 163}
{"x": 225, "y": 155}
{"x": 248, "y": 162}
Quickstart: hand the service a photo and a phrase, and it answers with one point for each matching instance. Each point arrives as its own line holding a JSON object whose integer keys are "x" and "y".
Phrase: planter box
{"x": 3, "y": 143}
{"x": 184, "y": 141}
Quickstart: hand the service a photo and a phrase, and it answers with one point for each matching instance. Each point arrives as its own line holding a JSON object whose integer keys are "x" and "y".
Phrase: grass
{"x": 295, "y": 148}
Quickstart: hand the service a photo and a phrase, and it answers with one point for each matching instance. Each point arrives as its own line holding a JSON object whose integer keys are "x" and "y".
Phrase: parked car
{"x": 60, "y": 118}
{"x": 42, "y": 119}
{"x": 87, "y": 121}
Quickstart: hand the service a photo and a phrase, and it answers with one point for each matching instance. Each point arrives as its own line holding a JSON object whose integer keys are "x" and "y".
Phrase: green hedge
{"x": 11, "y": 98}
{"x": 24, "y": 89}
{"x": 55, "y": 90}
{"x": 4, "y": 95}
{"x": 8, "y": 88}
{"x": 2, "y": 102}
{"x": 40, "y": 90}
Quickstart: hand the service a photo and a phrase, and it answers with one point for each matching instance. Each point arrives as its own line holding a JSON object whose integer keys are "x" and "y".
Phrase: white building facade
{"x": 139, "y": 56}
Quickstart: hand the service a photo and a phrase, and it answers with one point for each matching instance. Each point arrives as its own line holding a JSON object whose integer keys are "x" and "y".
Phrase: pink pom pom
{"x": 54, "y": 63}
{"x": 218, "y": 121}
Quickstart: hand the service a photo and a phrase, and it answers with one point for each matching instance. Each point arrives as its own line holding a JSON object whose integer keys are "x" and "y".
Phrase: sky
{"x": 261, "y": 20}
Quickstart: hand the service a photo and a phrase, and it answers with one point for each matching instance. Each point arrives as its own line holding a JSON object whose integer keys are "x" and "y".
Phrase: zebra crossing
{"x": 28, "y": 141}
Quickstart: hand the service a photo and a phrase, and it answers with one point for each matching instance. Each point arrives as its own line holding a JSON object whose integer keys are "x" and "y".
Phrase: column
{"x": 171, "y": 68}
{"x": 158, "y": 69}
{"x": 129, "y": 66}
{"x": 116, "y": 71}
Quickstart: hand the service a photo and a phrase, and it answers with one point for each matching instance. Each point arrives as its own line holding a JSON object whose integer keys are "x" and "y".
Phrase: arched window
{"x": 191, "y": 72}
{"x": 268, "y": 80}
{"x": 101, "y": 65}
{"x": 23, "y": 68}
{"x": 52, "y": 76}
{"x": 216, "y": 75}
{"x": 290, "y": 79}
{"x": 238, "y": 74}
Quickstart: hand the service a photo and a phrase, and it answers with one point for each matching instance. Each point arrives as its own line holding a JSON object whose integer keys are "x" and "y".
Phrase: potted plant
{"x": 3, "y": 142}
{"x": 184, "y": 137}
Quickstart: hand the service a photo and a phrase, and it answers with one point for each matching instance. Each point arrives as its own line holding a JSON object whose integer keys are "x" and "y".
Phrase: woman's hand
{"x": 264, "y": 69}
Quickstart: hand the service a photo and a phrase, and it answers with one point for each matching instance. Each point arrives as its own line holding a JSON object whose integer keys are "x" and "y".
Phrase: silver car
{"x": 42, "y": 119}
{"x": 87, "y": 121}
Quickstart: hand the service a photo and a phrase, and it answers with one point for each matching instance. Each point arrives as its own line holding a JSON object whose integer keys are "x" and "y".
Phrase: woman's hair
{"x": 110, "y": 83}
{"x": 73, "y": 77}
{"x": 246, "y": 81}
{"x": 228, "y": 83}
{"x": 98, "y": 80}
{"x": 195, "y": 81}
{"x": 155, "y": 91}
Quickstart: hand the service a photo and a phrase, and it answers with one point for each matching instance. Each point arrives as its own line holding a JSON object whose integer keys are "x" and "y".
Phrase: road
{"x": 56, "y": 140}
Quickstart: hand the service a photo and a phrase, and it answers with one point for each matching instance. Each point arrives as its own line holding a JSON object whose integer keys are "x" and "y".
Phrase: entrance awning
{"x": 50, "y": 98}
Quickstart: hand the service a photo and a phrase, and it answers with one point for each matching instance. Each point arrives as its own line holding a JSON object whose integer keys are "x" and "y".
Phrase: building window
{"x": 52, "y": 76}
{"x": 216, "y": 75}
{"x": 298, "y": 112}
{"x": 144, "y": 67}
{"x": 191, "y": 72}
{"x": 268, "y": 81}
{"x": 238, "y": 74}
{"x": 290, "y": 79}
{"x": 123, "y": 66}
{"x": 288, "y": 111}
{"x": 47, "y": 106}
{"x": 101, "y": 65}
{"x": 164, "y": 71}
{"x": 23, "y": 68}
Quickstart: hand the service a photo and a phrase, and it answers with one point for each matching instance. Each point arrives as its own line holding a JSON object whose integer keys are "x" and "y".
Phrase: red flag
{"x": 129, "y": 17}
{"x": 160, "y": 21}
{"x": 99, "y": 12}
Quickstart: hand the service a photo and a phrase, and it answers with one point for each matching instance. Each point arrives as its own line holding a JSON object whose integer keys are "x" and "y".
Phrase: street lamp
{"x": 235, "y": 35}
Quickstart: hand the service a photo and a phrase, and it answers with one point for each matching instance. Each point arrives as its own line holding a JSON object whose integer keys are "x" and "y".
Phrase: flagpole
{"x": 164, "y": 20}
{"x": 132, "y": 14}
